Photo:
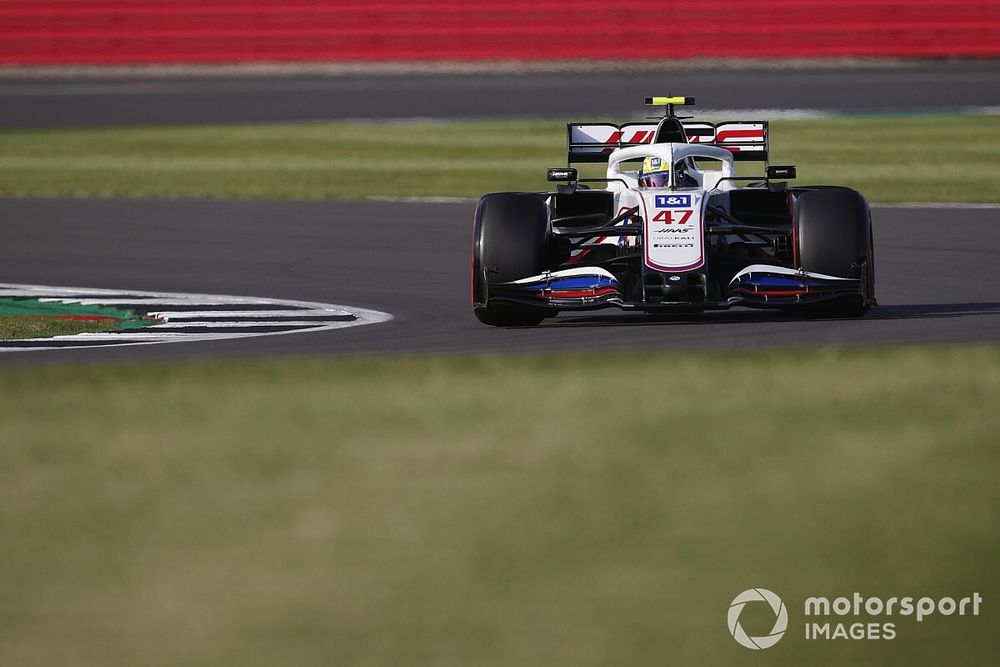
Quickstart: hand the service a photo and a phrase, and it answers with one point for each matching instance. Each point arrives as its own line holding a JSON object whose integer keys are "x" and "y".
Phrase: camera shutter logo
{"x": 780, "y": 621}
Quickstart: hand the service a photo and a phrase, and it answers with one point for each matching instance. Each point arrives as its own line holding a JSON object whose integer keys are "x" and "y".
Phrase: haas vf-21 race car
{"x": 671, "y": 227}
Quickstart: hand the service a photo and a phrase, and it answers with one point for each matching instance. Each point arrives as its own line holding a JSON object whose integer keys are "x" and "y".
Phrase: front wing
{"x": 758, "y": 285}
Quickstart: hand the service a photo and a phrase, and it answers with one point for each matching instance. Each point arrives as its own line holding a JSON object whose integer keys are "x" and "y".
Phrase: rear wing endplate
{"x": 594, "y": 142}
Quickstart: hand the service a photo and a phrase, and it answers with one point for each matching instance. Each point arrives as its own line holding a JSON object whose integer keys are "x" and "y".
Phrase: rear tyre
{"x": 833, "y": 232}
{"x": 511, "y": 241}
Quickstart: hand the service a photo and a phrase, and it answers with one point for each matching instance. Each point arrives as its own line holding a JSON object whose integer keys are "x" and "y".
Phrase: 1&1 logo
{"x": 672, "y": 201}
{"x": 780, "y": 621}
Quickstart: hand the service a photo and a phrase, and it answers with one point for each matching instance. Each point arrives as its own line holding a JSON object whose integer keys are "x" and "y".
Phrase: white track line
{"x": 173, "y": 316}
{"x": 143, "y": 301}
{"x": 233, "y": 325}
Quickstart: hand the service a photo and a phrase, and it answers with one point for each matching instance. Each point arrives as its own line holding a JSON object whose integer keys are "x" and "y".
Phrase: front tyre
{"x": 834, "y": 237}
{"x": 511, "y": 238}
{"x": 509, "y": 315}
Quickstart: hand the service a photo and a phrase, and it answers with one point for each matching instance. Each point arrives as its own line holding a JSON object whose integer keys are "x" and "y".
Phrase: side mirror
{"x": 776, "y": 171}
{"x": 562, "y": 175}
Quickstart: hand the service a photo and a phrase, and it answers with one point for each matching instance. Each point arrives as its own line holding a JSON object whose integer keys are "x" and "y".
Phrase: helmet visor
{"x": 657, "y": 179}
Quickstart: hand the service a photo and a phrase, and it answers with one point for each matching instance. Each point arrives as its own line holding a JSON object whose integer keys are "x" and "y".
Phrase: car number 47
{"x": 668, "y": 217}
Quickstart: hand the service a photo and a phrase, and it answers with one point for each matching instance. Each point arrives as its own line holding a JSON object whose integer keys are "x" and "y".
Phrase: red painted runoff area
{"x": 51, "y": 32}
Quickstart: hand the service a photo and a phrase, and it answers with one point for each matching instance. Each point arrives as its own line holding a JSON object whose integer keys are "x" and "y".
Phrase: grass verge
{"x": 19, "y": 326}
{"x": 488, "y": 510}
{"x": 890, "y": 159}
{"x": 32, "y": 318}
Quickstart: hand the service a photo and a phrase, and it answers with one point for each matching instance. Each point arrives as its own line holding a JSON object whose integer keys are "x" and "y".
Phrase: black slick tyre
{"x": 510, "y": 241}
{"x": 834, "y": 237}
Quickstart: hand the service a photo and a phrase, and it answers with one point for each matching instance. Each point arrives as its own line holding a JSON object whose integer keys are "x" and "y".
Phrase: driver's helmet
{"x": 655, "y": 173}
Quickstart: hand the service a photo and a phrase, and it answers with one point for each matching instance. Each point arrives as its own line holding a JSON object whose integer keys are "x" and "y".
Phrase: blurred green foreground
{"x": 489, "y": 510}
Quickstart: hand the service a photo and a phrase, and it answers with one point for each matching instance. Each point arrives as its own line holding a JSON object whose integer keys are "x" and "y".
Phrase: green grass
{"x": 921, "y": 158}
{"x": 578, "y": 510}
{"x": 890, "y": 159}
{"x": 16, "y": 326}
{"x": 31, "y": 318}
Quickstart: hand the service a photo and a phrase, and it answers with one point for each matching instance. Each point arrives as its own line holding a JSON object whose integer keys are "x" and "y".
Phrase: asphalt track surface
{"x": 918, "y": 87}
{"x": 936, "y": 270}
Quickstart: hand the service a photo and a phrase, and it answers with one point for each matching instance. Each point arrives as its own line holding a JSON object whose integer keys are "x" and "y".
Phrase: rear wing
{"x": 593, "y": 142}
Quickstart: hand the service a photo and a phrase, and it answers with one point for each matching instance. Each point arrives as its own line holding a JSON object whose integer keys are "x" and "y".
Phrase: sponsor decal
{"x": 673, "y": 201}
{"x": 604, "y": 138}
{"x": 618, "y": 137}
{"x": 673, "y": 235}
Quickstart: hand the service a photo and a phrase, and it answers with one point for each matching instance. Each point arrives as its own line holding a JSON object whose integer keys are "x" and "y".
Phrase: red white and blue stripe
{"x": 586, "y": 284}
{"x": 779, "y": 284}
